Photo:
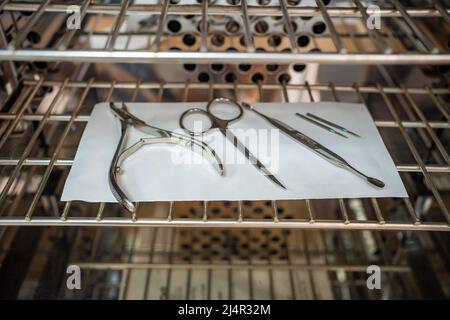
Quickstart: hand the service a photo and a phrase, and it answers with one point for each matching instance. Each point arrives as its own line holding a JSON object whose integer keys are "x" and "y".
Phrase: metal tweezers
{"x": 159, "y": 135}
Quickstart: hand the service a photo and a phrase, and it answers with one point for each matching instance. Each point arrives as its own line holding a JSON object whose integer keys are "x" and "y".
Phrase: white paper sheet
{"x": 155, "y": 173}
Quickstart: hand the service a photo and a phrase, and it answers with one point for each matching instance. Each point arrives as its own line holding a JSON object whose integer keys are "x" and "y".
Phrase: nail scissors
{"x": 314, "y": 146}
{"x": 222, "y": 124}
{"x": 158, "y": 135}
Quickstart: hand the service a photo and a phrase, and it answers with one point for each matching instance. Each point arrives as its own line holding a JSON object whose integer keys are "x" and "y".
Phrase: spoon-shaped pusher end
{"x": 376, "y": 182}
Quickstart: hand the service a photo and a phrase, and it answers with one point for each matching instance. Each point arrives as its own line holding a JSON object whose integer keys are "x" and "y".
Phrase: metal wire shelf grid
{"x": 35, "y": 203}
{"x": 163, "y": 263}
{"x": 167, "y": 264}
{"x": 340, "y": 43}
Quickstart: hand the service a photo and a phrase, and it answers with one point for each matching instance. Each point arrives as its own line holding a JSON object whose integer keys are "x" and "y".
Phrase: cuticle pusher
{"x": 314, "y": 146}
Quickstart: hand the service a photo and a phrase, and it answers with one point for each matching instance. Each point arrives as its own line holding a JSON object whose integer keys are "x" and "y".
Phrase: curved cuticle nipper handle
{"x": 127, "y": 120}
{"x": 114, "y": 170}
{"x": 202, "y": 149}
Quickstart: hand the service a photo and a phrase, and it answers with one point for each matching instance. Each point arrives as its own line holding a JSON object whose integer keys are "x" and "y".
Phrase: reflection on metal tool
{"x": 128, "y": 120}
{"x": 222, "y": 125}
{"x": 334, "y": 125}
{"x": 315, "y": 146}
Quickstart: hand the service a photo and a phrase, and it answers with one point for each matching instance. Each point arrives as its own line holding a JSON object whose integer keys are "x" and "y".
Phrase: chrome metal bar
{"x": 427, "y": 126}
{"x": 341, "y": 245}
{"x": 11, "y": 65}
{"x": 378, "y": 213}
{"x": 274, "y": 208}
{"x": 69, "y": 162}
{"x": 385, "y": 254}
{"x": 170, "y": 258}
{"x": 287, "y": 251}
{"x": 15, "y": 108}
{"x": 283, "y": 90}
{"x": 118, "y": 23}
{"x": 308, "y": 262}
{"x": 65, "y": 42}
{"x": 417, "y": 157}
{"x": 129, "y": 257}
{"x": 412, "y": 124}
{"x": 81, "y": 118}
{"x": 150, "y": 259}
{"x": 100, "y": 210}
{"x": 162, "y": 19}
{"x": 334, "y": 35}
{"x": 14, "y": 21}
{"x": 334, "y": 92}
{"x": 358, "y": 239}
{"x": 288, "y": 24}
{"x": 199, "y": 223}
{"x": 247, "y": 33}
{"x": 310, "y": 211}
{"x": 444, "y": 12}
{"x": 377, "y": 210}
{"x": 197, "y": 85}
{"x": 118, "y": 56}
{"x": 204, "y": 30}
{"x": 407, "y": 32}
{"x": 19, "y": 114}
{"x": 240, "y": 209}
{"x": 9, "y": 208}
{"x": 374, "y": 32}
{"x": 49, "y": 168}
{"x": 308, "y": 89}
{"x": 217, "y": 266}
{"x": 170, "y": 211}
{"x": 416, "y": 30}
{"x": 438, "y": 103}
{"x": 411, "y": 210}
{"x": 87, "y": 34}
{"x": 108, "y": 98}
{"x": 23, "y": 32}
{"x": 66, "y": 210}
{"x": 253, "y": 10}
{"x": 205, "y": 211}
{"x": 3, "y": 4}
{"x": 326, "y": 254}
{"x": 406, "y": 107}
{"x": 31, "y": 143}
{"x": 343, "y": 210}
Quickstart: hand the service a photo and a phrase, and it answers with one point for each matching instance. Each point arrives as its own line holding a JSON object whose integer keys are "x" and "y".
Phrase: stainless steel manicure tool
{"x": 334, "y": 125}
{"x": 320, "y": 125}
{"x": 314, "y": 146}
{"x": 158, "y": 135}
{"x": 222, "y": 125}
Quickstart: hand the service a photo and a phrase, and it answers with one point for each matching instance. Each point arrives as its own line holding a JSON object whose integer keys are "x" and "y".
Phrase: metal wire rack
{"x": 35, "y": 203}
{"x": 403, "y": 37}
{"x": 168, "y": 263}
{"x": 158, "y": 263}
{"x": 51, "y": 75}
